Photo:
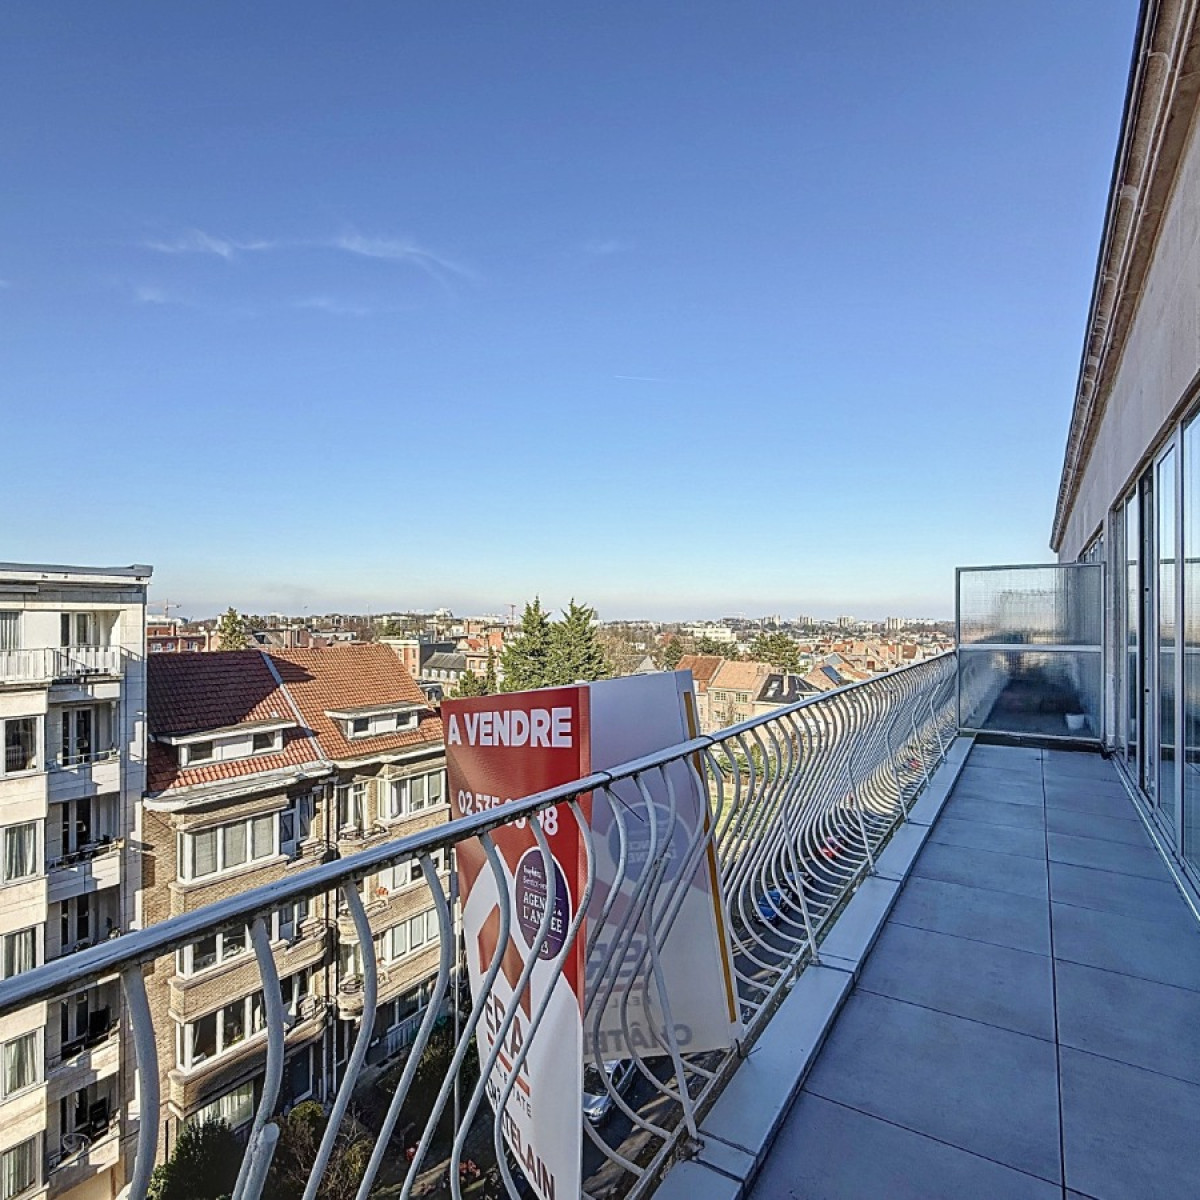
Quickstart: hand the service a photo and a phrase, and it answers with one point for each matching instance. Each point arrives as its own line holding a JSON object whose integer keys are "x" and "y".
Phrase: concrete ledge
{"x": 897, "y": 859}
{"x": 931, "y": 801}
{"x": 692, "y": 1181}
{"x": 758, "y": 1097}
{"x": 854, "y": 932}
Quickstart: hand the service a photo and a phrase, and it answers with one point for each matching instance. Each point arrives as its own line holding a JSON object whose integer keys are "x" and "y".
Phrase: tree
{"x": 231, "y": 631}
{"x": 203, "y": 1165}
{"x": 708, "y": 645}
{"x": 672, "y": 652}
{"x": 777, "y": 649}
{"x": 300, "y": 1134}
{"x": 526, "y": 658}
{"x": 490, "y": 686}
{"x": 575, "y": 651}
{"x": 469, "y": 684}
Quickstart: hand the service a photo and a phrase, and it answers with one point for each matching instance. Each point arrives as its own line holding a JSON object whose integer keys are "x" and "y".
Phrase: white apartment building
{"x": 72, "y": 720}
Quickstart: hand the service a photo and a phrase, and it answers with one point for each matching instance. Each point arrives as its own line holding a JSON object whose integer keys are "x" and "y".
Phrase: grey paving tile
{"x": 1137, "y": 1021}
{"x": 1128, "y": 1133}
{"x": 1078, "y": 765}
{"x": 1121, "y": 859}
{"x": 692, "y": 1181}
{"x": 982, "y": 753}
{"x": 1093, "y": 798}
{"x": 1002, "y": 918}
{"x": 1128, "y": 830}
{"x": 985, "y": 1090}
{"x": 997, "y": 812}
{"x": 832, "y": 1152}
{"x": 1005, "y": 792}
{"x": 1166, "y": 953}
{"x": 1127, "y": 895}
{"x": 982, "y": 868}
{"x": 1001, "y": 777}
{"x": 982, "y": 835}
{"x": 993, "y": 984}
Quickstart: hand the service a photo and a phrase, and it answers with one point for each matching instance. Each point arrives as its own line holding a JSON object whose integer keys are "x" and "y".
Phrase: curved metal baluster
{"x": 366, "y": 948}
{"x": 428, "y": 1022}
{"x": 133, "y": 984}
{"x": 263, "y": 1137}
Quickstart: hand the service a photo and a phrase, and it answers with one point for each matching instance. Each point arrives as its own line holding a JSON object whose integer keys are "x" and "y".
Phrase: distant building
{"x": 167, "y": 635}
{"x": 732, "y": 693}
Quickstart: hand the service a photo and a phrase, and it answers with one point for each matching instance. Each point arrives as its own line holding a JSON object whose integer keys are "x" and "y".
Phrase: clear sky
{"x": 681, "y": 308}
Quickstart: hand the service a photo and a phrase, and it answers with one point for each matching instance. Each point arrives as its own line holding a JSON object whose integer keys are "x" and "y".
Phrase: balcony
{"x": 90, "y": 869}
{"x": 88, "y": 774}
{"x": 59, "y": 665}
{"x": 82, "y": 1156}
{"x": 85, "y": 1060}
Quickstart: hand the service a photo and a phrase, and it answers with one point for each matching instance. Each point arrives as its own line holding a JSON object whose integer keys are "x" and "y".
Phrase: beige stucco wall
{"x": 1159, "y": 366}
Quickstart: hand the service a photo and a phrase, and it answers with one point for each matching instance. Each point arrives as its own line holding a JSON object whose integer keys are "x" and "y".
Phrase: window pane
{"x": 416, "y": 931}
{"x": 263, "y": 835}
{"x": 20, "y": 842}
{"x": 233, "y": 1017}
{"x": 204, "y": 953}
{"x": 18, "y": 1169}
{"x": 20, "y": 1063}
{"x": 199, "y": 752}
{"x": 204, "y": 1038}
{"x": 233, "y": 941}
{"x": 417, "y": 791}
{"x": 204, "y": 853}
{"x": 20, "y": 952}
{"x": 435, "y": 788}
{"x": 10, "y": 631}
{"x": 263, "y": 741}
{"x": 234, "y": 837}
{"x": 431, "y": 925}
{"x": 20, "y": 744}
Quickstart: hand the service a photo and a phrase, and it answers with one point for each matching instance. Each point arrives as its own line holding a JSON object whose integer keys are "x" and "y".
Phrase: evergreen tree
{"x": 490, "y": 686}
{"x": 777, "y": 649}
{"x": 300, "y": 1134}
{"x": 469, "y": 684}
{"x": 671, "y": 653}
{"x": 708, "y": 645}
{"x": 203, "y": 1165}
{"x": 231, "y": 631}
{"x": 526, "y": 658}
{"x": 576, "y": 654}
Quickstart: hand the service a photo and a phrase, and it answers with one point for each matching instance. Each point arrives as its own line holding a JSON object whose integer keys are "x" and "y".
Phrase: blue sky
{"x": 679, "y": 308}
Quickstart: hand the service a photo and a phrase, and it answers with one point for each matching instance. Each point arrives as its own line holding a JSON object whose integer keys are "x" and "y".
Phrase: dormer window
{"x": 198, "y": 752}
{"x": 360, "y": 726}
{"x": 265, "y": 743}
{"x": 378, "y": 720}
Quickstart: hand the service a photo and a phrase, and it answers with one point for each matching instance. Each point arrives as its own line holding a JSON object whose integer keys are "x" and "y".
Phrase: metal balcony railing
{"x": 803, "y": 800}
{"x": 53, "y": 664}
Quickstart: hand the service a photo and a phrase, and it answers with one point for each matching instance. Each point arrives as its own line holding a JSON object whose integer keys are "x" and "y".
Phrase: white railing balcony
{"x": 800, "y": 804}
{"x": 52, "y": 664}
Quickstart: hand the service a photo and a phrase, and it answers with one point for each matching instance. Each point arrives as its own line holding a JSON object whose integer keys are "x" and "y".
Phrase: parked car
{"x": 597, "y": 1101}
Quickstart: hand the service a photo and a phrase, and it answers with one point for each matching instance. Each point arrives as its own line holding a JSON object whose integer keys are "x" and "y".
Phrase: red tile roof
{"x": 192, "y": 693}
{"x": 354, "y": 675}
{"x": 702, "y": 666}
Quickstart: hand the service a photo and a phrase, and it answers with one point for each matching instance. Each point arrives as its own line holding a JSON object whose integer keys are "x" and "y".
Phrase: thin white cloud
{"x": 403, "y": 250}
{"x": 607, "y": 246}
{"x": 196, "y": 241}
{"x": 148, "y": 294}
{"x": 334, "y": 306}
{"x": 642, "y": 378}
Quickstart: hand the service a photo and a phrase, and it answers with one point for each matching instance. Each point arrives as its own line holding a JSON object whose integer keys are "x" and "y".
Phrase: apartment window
{"x": 392, "y": 943}
{"x": 22, "y": 1063}
{"x": 211, "y": 851}
{"x": 295, "y": 824}
{"x": 359, "y": 726}
{"x": 351, "y": 804}
{"x": 19, "y": 952}
{"x": 20, "y": 744}
{"x": 219, "y": 947}
{"x": 266, "y": 742}
{"x": 293, "y": 989}
{"x": 235, "y": 1108}
{"x": 77, "y": 629}
{"x": 415, "y": 793}
{"x": 199, "y": 752}
{"x": 289, "y": 920}
{"x": 20, "y": 852}
{"x": 10, "y": 631}
{"x": 18, "y": 1168}
{"x": 198, "y": 1041}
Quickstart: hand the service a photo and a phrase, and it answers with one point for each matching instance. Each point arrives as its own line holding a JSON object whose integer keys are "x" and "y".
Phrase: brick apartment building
{"x": 263, "y": 763}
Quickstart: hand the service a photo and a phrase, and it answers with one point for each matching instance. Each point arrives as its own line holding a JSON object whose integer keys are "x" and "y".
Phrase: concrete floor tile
{"x": 981, "y": 868}
{"x": 984, "y": 755}
{"x": 1117, "y": 857}
{"x": 981, "y": 835}
{"x": 1128, "y": 830}
{"x": 993, "y": 984}
{"x": 997, "y": 812}
{"x": 1136, "y": 1021}
{"x": 1001, "y": 918}
{"x": 1128, "y": 1134}
{"x": 1004, "y": 792}
{"x": 832, "y": 1152}
{"x": 1166, "y": 953}
{"x": 1092, "y": 798}
{"x": 1126, "y": 895}
{"x": 985, "y": 1090}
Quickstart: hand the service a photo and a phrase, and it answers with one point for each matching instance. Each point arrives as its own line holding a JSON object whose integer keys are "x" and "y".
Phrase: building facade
{"x": 72, "y": 704}
{"x": 1129, "y": 494}
{"x": 263, "y": 763}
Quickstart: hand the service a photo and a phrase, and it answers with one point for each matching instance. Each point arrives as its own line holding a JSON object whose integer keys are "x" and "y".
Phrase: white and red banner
{"x": 501, "y": 748}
